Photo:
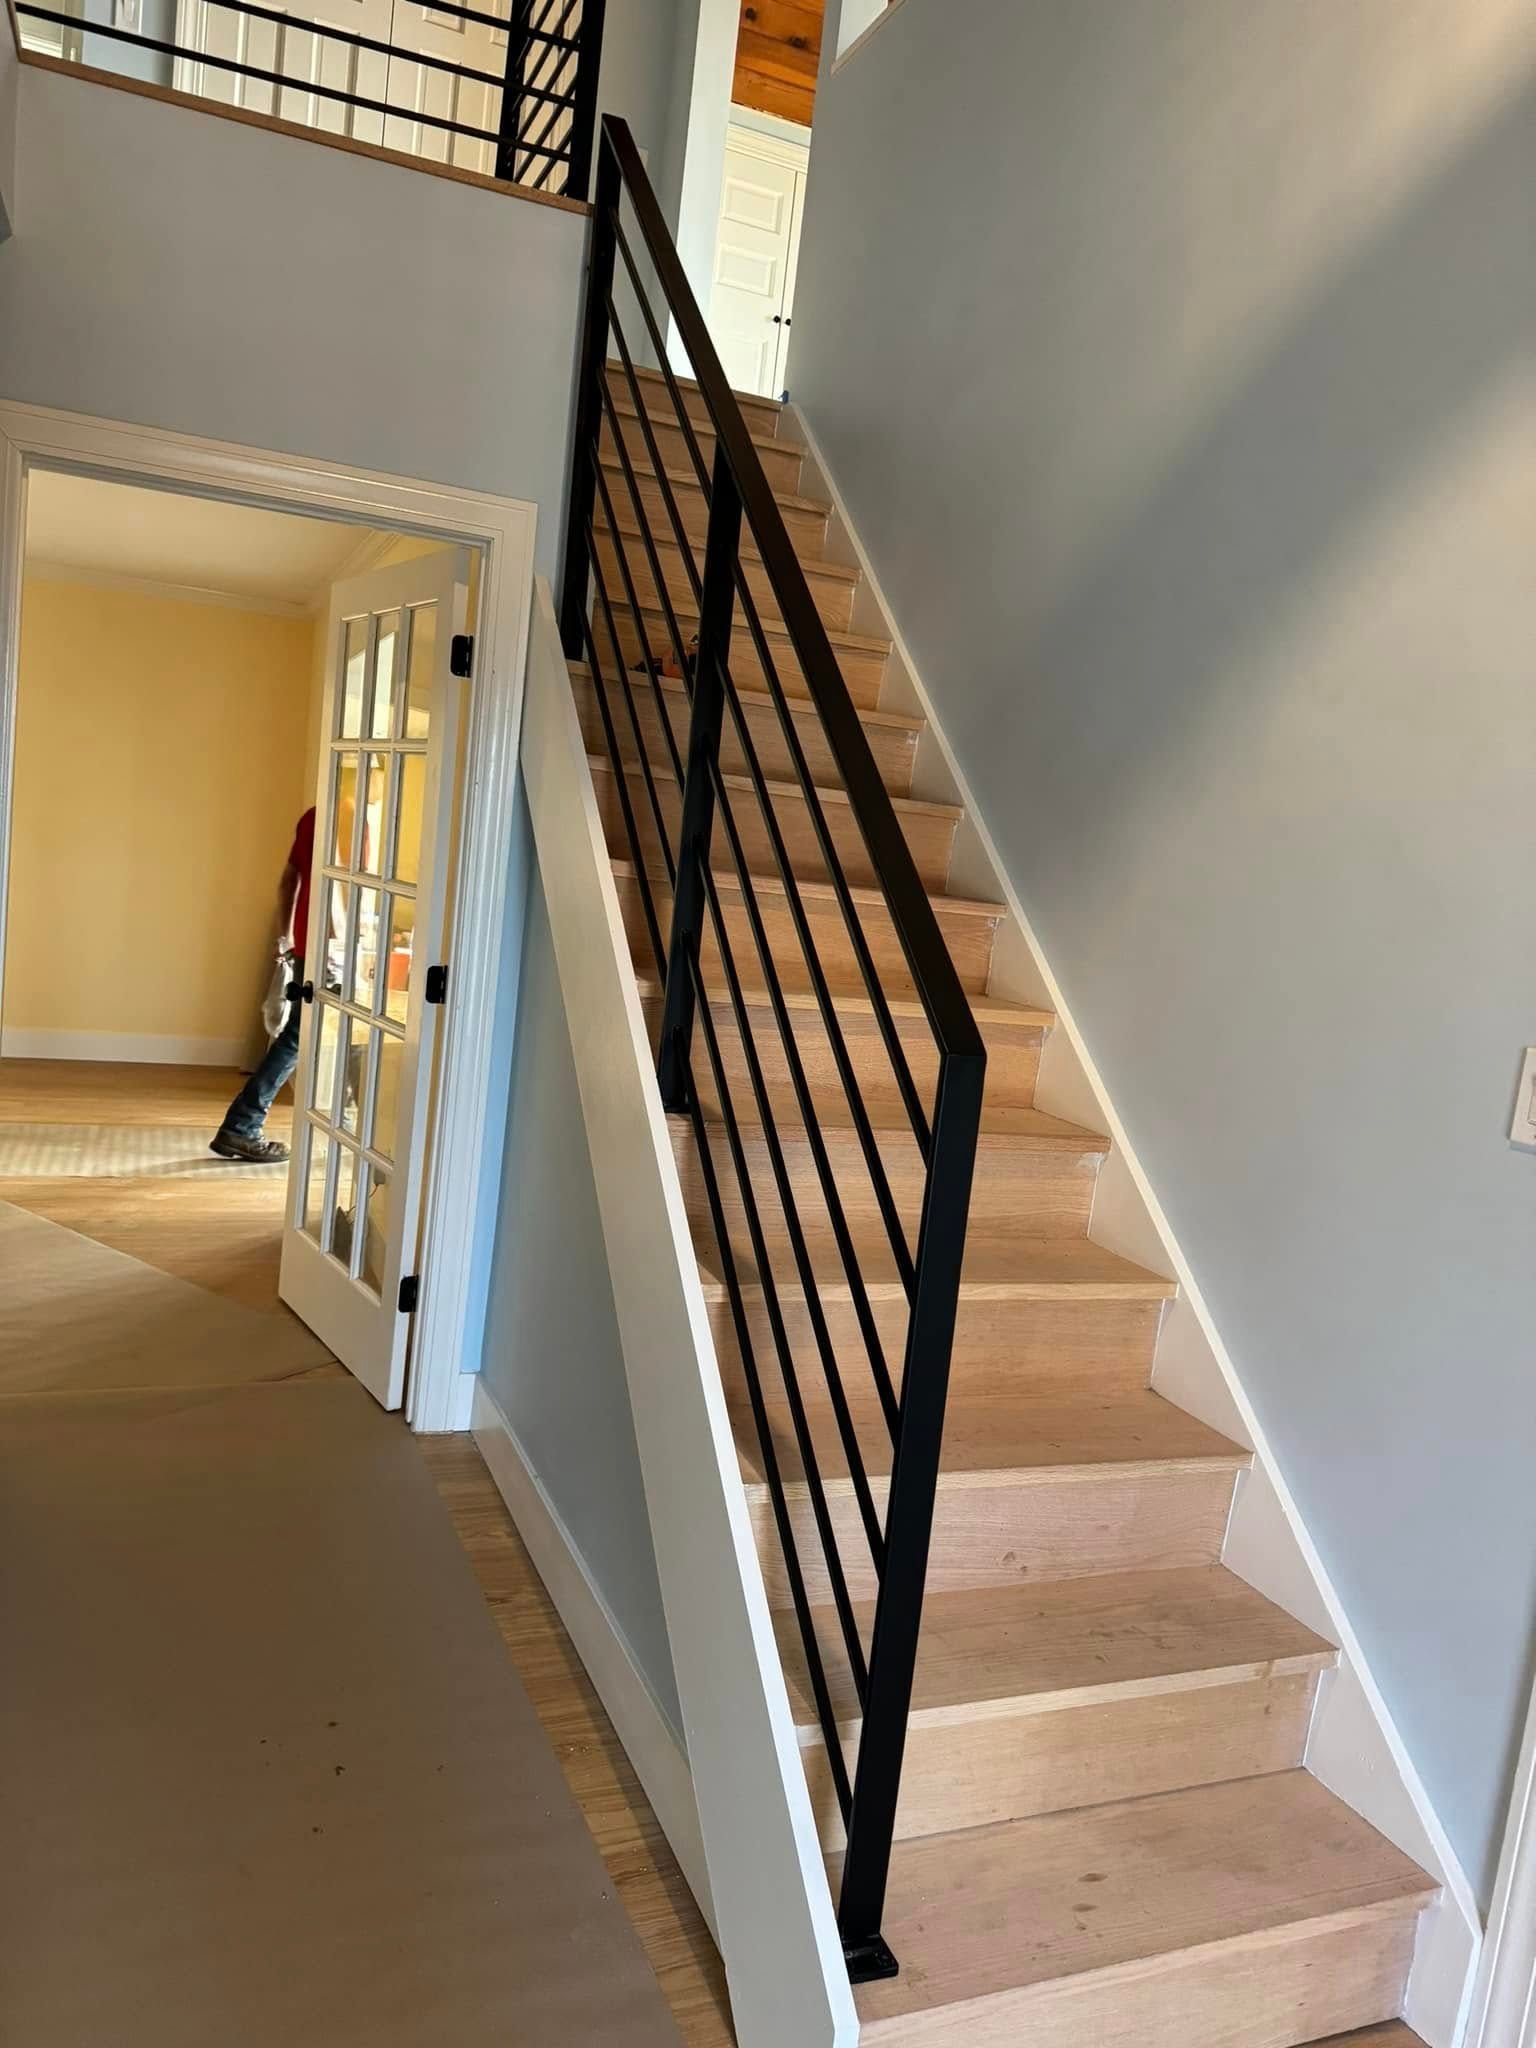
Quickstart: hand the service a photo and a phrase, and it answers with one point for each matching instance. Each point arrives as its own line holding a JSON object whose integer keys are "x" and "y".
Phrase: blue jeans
{"x": 248, "y": 1112}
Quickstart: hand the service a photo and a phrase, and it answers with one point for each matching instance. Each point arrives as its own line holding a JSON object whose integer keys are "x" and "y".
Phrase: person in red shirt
{"x": 240, "y": 1134}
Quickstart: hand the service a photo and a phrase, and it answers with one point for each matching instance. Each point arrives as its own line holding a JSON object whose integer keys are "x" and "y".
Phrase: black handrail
{"x": 548, "y": 88}
{"x": 698, "y": 938}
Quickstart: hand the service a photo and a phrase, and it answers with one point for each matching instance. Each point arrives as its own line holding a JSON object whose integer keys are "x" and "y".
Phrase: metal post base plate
{"x": 869, "y": 1961}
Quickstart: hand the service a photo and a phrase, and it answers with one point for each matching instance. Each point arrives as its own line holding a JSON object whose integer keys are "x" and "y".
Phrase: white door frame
{"x": 467, "y": 1137}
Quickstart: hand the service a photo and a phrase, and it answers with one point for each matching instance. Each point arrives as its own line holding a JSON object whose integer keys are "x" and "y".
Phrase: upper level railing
{"x": 792, "y": 1257}
{"x": 511, "y": 96}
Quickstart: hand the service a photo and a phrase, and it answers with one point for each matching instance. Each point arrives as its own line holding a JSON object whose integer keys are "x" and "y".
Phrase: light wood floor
{"x": 221, "y": 1233}
{"x": 225, "y": 1235}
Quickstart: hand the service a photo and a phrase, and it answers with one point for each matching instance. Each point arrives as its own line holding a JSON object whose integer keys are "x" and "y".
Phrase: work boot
{"x": 257, "y": 1151}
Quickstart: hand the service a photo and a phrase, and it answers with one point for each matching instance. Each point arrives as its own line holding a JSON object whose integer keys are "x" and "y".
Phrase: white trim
{"x": 772, "y": 126}
{"x": 40, "y": 571}
{"x": 467, "y": 1139}
{"x": 1355, "y": 1747}
{"x": 131, "y": 1048}
{"x": 865, "y": 35}
{"x": 650, "y": 1742}
{"x": 1504, "y": 1999}
{"x": 778, "y": 1933}
{"x": 791, "y": 152}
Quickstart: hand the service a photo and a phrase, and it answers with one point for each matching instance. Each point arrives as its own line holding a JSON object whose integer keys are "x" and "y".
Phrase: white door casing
{"x": 383, "y": 816}
{"x": 751, "y": 300}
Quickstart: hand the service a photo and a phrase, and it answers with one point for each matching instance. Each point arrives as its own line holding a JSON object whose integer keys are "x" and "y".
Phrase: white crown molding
{"x": 178, "y": 593}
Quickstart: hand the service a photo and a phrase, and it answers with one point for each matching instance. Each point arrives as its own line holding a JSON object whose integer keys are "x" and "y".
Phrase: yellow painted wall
{"x": 161, "y": 763}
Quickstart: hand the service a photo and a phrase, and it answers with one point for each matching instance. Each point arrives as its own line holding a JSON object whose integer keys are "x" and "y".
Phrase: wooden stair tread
{"x": 749, "y": 401}
{"x": 828, "y": 793}
{"x": 849, "y": 1002}
{"x": 1071, "y": 1643}
{"x": 686, "y": 479}
{"x": 895, "y": 721}
{"x": 623, "y": 402}
{"x": 843, "y": 641}
{"x": 1004, "y": 1127}
{"x": 1003, "y": 1441}
{"x": 829, "y": 572}
{"x": 812, "y": 891}
{"x": 983, "y": 1912}
{"x": 1024, "y": 1269}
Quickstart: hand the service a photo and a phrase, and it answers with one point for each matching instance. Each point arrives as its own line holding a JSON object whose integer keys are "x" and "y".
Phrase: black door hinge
{"x": 437, "y": 984}
{"x": 461, "y": 654}
{"x": 410, "y": 1291}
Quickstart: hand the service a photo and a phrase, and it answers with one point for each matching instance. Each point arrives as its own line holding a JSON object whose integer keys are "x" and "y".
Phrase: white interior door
{"x": 751, "y": 300}
{"x": 383, "y": 815}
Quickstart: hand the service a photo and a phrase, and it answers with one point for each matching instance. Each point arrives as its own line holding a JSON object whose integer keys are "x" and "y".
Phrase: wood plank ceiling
{"x": 778, "y": 46}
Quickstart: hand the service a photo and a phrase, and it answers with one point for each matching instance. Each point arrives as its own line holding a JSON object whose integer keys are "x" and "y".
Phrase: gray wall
{"x": 156, "y": 18}
{"x": 186, "y": 271}
{"x": 552, "y": 1354}
{"x": 1176, "y": 358}
{"x": 9, "y": 70}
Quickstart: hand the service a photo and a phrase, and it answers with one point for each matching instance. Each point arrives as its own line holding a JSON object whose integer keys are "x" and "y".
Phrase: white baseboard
{"x": 660, "y": 1762}
{"x": 130, "y": 1048}
{"x": 1355, "y": 1747}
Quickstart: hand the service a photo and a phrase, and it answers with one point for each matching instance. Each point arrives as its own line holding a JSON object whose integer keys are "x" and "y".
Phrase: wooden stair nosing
{"x": 1056, "y": 1442}
{"x": 827, "y": 572}
{"x": 687, "y": 480}
{"x": 826, "y": 792}
{"x": 758, "y": 700}
{"x": 1065, "y": 1643}
{"x": 857, "y": 1002}
{"x": 863, "y": 894}
{"x": 1027, "y": 1274}
{"x": 749, "y": 401}
{"x": 623, "y": 402}
{"x": 1004, "y": 1129}
{"x": 842, "y": 640}
{"x": 986, "y": 1914}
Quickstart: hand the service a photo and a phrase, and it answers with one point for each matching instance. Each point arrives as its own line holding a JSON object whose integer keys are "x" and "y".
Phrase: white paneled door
{"x": 751, "y": 300}
{"x": 377, "y": 913}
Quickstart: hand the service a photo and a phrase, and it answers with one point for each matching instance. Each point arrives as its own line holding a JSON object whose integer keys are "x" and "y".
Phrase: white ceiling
{"x": 120, "y": 530}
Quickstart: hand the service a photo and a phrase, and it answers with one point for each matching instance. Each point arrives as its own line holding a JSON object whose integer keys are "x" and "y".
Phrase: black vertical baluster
{"x": 909, "y": 1515}
{"x": 716, "y": 604}
{"x": 512, "y": 90}
{"x": 589, "y": 403}
{"x": 589, "y": 58}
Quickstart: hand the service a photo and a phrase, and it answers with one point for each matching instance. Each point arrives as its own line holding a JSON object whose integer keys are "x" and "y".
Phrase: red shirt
{"x": 301, "y": 855}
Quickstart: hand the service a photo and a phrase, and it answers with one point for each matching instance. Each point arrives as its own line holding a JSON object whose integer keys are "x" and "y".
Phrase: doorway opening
{"x": 229, "y": 725}
{"x": 751, "y": 295}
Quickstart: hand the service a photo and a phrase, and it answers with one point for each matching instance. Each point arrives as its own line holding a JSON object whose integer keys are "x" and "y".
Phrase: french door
{"x": 383, "y": 816}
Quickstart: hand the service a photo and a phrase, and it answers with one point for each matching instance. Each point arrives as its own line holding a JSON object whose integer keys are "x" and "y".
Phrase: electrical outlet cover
{"x": 1522, "y": 1128}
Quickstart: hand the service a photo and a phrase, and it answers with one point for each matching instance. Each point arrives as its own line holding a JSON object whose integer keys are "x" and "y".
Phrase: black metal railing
{"x": 792, "y": 1256}
{"x": 524, "y": 113}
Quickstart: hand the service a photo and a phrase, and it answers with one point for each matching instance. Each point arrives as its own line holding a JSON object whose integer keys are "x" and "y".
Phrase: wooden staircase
{"x": 1106, "y": 1835}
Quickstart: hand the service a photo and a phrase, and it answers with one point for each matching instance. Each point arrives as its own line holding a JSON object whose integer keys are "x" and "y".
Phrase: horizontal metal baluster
{"x": 308, "y": 85}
